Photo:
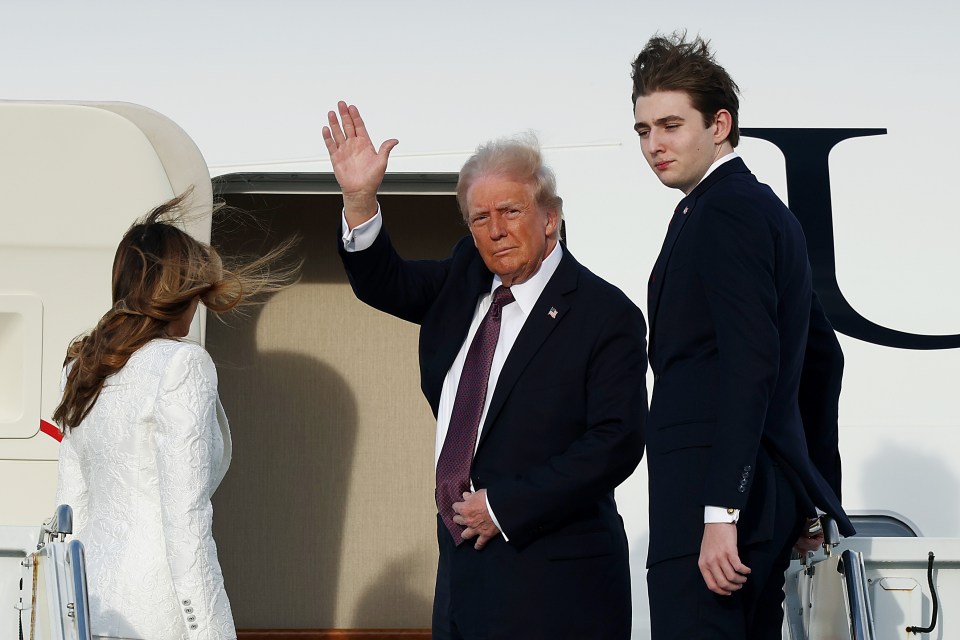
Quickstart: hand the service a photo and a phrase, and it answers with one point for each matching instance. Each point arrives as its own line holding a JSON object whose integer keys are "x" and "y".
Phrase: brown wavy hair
{"x": 158, "y": 271}
{"x": 673, "y": 63}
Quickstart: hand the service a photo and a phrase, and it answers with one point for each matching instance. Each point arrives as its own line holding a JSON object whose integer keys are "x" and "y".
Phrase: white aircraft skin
{"x": 251, "y": 84}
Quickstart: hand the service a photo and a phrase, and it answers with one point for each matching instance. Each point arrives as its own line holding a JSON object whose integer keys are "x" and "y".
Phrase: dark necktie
{"x": 453, "y": 467}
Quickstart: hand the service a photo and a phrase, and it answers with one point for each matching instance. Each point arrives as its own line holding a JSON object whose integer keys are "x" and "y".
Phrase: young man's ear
{"x": 722, "y": 125}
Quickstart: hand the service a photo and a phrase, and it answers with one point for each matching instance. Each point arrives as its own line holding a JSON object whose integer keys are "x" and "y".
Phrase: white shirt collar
{"x": 716, "y": 163}
{"x": 527, "y": 293}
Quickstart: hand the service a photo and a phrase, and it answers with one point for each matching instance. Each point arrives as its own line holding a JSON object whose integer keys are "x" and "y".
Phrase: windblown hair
{"x": 670, "y": 63}
{"x": 518, "y": 158}
{"x": 158, "y": 271}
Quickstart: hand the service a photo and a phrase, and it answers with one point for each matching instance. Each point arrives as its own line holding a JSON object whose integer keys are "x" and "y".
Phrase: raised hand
{"x": 358, "y": 167}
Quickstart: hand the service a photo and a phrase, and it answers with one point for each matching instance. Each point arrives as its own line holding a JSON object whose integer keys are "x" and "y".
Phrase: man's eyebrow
{"x": 500, "y": 206}
{"x": 659, "y": 122}
{"x": 669, "y": 119}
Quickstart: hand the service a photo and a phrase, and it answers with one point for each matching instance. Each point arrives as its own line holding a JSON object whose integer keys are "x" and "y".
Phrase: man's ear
{"x": 722, "y": 125}
{"x": 553, "y": 221}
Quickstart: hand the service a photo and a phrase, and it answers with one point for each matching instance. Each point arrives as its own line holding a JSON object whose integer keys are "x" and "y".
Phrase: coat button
{"x": 193, "y": 627}
{"x": 741, "y": 489}
{"x": 747, "y": 468}
{"x": 192, "y": 619}
{"x": 188, "y": 610}
{"x": 186, "y": 603}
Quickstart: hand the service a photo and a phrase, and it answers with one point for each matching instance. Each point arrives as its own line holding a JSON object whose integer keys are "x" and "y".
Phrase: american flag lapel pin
{"x": 552, "y": 313}
{"x": 685, "y": 209}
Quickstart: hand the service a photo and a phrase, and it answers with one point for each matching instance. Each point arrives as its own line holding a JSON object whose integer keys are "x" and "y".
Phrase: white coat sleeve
{"x": 71, "y": 485}
{"x": 188, "y": 449}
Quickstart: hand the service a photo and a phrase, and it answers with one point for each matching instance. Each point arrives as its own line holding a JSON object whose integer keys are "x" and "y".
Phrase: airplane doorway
{"x": 326, "y": 518}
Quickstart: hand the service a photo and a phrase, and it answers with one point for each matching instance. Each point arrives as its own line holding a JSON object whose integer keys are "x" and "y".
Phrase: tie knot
{"x": 501, "y": 297}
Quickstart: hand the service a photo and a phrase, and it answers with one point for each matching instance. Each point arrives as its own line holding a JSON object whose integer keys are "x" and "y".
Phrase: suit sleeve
{"x": 736, "y": 254}
{"x": 385, "y": 281}
{"x": 820, "y": 382}
{"x": 184, "y": 440}
{"x": 608, "y": 451}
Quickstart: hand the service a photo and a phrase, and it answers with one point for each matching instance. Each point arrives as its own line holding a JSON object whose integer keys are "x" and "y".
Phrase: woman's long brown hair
{"x": 158, "y": 271}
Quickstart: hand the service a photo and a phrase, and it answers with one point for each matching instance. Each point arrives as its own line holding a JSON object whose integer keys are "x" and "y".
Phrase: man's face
{"x": 512, "y": 233}
{"x": 673, "y": 139}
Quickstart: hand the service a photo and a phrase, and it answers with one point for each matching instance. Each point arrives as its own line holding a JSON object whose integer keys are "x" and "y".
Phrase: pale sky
{"x": 251, "y": 81}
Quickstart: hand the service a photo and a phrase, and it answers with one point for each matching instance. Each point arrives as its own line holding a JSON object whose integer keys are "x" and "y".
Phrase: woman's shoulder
{"x": 168, "y": 359}
{"x": 165, "y": 349}
{"x": 178, "y": 361}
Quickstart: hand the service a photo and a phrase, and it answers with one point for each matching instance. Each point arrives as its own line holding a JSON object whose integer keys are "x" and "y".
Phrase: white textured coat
{"x": 139, "y": 472}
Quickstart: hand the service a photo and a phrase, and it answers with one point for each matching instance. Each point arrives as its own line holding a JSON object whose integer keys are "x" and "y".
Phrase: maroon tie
{"x": 453, "y": 467}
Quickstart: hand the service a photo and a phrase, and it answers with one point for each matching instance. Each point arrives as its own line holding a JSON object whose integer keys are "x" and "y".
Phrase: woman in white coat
{"x": 146, "y": 441}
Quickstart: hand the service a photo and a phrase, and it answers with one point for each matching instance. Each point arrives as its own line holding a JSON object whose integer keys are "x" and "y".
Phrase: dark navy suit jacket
{"x": 564, "y": 428}
{"x": 731, "y": 308}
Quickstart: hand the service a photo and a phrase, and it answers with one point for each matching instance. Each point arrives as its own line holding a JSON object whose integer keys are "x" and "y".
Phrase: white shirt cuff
{"x": 361, "y": 236}
{"x": 494, "y": 517}
{"x": 720, "y": 514}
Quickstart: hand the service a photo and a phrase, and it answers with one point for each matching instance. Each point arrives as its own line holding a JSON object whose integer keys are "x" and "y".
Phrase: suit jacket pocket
{"x": 681, "y": 435}
{"x": 581, "y": 545}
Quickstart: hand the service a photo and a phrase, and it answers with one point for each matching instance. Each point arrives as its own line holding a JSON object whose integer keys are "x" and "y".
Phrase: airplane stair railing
{"x": 59, "y": 606}
{"x": 857, "y": 596}
{"x": 58, "y": 527}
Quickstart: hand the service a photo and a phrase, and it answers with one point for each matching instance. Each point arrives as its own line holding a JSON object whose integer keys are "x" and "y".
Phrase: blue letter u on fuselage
{"x": 806, "y": 152}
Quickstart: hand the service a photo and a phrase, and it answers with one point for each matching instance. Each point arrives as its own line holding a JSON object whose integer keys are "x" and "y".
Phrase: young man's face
{"x": 673, "y": 139}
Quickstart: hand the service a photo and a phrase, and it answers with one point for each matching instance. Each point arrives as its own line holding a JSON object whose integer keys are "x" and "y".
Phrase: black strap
{"x": 21, "y": 607}
{"x": 933, "y": 596}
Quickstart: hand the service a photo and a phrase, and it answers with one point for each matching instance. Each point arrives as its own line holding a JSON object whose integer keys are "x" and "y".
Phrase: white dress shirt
{"x": 513, "y": 317}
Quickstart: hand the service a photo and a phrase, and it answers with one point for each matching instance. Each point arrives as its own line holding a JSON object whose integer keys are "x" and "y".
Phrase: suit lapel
{"x": 549, "y": 311}
{"x": 655, "y": 286}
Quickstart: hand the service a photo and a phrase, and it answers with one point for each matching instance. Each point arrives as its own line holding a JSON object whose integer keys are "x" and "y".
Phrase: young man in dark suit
{"x": 746, "y": 367}
{"x": 535, "y": 370}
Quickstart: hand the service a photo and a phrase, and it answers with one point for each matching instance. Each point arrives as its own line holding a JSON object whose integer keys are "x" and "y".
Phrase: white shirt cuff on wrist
{"x": 361, "y": 236}
{"x": 720, "y": 514}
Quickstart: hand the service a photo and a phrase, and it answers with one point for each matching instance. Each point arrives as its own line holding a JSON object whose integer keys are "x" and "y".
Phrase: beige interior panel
{"x": 326, "y": 518}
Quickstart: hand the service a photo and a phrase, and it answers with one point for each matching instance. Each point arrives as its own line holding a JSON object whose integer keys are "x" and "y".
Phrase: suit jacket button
{"x": 741, "y": 489}
{"x": 747, "y": 468}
